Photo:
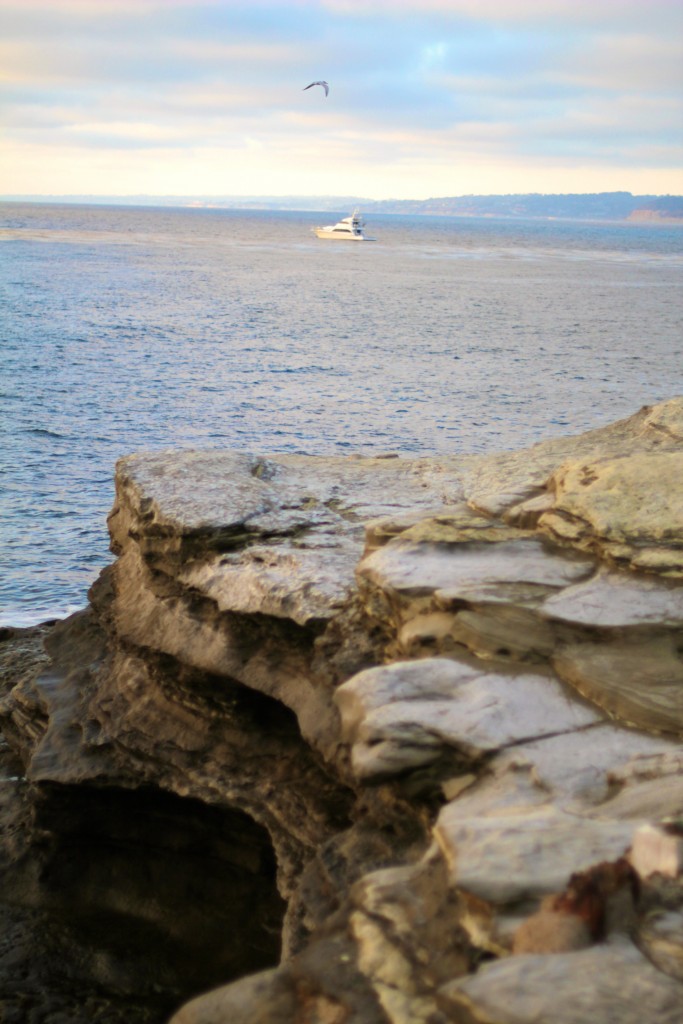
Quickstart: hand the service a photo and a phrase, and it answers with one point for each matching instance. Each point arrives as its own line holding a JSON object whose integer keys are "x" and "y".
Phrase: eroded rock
{"x": 629, "y": 509}
{"x": 637, "y": 679}
{"x": 601, "y": 983}
{"x": 402, "y": 715}
{"x": 378, "y": 734}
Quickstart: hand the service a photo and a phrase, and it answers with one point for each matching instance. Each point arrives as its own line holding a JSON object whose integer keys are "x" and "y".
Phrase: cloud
{"x": 630, "y": 62}
{"x": 416, "y": 87}
{"x": 598, "y": 12}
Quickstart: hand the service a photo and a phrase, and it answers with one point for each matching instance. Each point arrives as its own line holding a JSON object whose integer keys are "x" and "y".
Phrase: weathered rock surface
{"x": 566, "y": 989}
{"x": 357, "y": 741}
{"x": 411, "y": 713}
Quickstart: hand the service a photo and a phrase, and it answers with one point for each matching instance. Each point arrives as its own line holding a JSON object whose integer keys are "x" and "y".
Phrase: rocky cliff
{"x": 359, "y": 740}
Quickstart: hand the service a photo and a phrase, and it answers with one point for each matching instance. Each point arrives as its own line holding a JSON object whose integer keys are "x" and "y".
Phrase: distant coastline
{"x": 598, "y": 206}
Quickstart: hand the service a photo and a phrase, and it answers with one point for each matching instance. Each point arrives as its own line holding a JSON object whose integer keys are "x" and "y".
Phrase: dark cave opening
{"x": 145, "y": 896}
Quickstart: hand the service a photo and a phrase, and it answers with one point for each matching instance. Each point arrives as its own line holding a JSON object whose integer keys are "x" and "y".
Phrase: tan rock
{"x": 628, "y": 509}
{"x": 526, "y": 853}
{"x": 402, "y": 715}
{"x": 412, "y": 569}
{"x": 262, "y": 998}
{"x": 638, "y": 681}
{"x": 216, "y": 500}
{"x": 612, "y": 982}
{"x": 449, "y": 523}
{"x": 319, "y": 652}
{"x": 165, "y": 619}
{"x": 665, "y": 420}
{"x": 407, "y": 924}
{"x": 298, "y": 583}
{"x": 496, "y": 484}
{"x": 660, "y": 937}
{"x": 504, "y": 633}
{"x": 656, "y": 851}
{"x": 551, "y": 931}
{"x": 618, "y": 600}
{"x": 443, "y": 598}
{"x": 640, "y": 799}
{"x": 600, "y": 767}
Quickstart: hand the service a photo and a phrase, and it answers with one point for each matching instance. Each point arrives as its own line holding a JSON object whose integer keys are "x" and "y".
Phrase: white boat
{"x": 349, "y": 229}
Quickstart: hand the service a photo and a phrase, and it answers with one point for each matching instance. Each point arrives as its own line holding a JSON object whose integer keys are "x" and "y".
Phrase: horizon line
{"x": 327, "y": 196}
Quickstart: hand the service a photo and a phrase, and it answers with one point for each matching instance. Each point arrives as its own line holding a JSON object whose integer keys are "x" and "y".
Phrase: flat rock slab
{"x": 639, "y": 681}
{"x": 300, "y": 583}
{"x": 527, "y": 853}
{"x": 463, "y": 570}
{"x": 228, "y": 494}
{"x": 401, "y": 715}
{"x": 603, "y": 985}
{"x": 618, "y": 600}
{"x": 587, "y": 765}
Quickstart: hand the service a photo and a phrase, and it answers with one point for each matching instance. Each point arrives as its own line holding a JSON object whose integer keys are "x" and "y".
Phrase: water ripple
{"x": 129, "y": 330}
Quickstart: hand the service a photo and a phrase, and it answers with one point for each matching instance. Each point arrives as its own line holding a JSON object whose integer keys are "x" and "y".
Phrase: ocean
{"x": 131, "y": 329}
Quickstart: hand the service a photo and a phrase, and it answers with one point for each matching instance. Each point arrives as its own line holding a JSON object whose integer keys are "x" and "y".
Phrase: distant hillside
{"x": 587, "y": 206}
{"x": 578, "y": 206}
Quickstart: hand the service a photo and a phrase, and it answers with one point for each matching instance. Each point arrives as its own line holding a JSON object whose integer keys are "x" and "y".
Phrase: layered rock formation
{"x": 361, "y": 740}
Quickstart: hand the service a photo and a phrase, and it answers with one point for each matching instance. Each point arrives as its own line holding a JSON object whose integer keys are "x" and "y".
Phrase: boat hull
{"x": 341, "y": 236}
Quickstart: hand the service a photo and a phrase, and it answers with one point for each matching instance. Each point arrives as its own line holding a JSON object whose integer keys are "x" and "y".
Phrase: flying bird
{"x": 324, "y": 85}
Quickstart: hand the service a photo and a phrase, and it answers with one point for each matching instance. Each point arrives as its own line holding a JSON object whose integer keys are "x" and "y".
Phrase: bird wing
{"x": 324, "y": 85}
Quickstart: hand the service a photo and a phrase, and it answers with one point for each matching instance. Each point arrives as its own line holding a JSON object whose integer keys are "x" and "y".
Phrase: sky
{"x": 428, "y": 98}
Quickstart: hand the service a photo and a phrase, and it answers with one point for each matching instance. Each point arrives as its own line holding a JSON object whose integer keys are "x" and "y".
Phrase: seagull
{"x": 324, "y": 85}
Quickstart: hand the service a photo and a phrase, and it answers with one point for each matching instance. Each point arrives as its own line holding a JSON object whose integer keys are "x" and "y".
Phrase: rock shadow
{"x": 143, "y": 895}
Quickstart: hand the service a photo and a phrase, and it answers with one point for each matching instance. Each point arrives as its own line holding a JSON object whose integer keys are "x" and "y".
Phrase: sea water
{"x": 132, "y": 329}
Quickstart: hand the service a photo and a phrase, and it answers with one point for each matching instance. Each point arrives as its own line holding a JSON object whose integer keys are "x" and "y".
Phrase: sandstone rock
{"x": 402, "y": 715}
{"x": 336, "y": 733}
{"x": 618, "y": 600}
{"x": 598, "y": 766}
{"x": 628, "y": 509}
{"x": 605, "y": 983}
{"x": 221, "y": 500}
{"x": 301, "y": 584}
{"x": 655, "y": 798}
{"x": 637, "y": 679}
{"x": 526, "y": 854}
{"x": 444, "y": 598}
{"x": 497, "y": 484}
{"x": 551, "y": 931}
{"x": 656, "y": 851}
{"x": 270, "y": 656}
{"x": 468, "y": 570}
{"x": 660, "y": 938}
{"x": 233, "y": 564}
{"x": 258, "y": 999}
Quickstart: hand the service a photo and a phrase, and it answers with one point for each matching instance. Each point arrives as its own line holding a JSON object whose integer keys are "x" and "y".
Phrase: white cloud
{"x": 422, "y": 92}
{"x": 630, "y": 62}
{"x": 576, "y": 12}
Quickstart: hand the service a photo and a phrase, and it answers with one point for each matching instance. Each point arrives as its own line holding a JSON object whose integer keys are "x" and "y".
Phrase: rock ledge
{"x": 358, "y": 740}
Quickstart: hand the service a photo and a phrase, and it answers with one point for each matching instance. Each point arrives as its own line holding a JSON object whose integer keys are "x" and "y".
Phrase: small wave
{"x": 43, "y": 432}
{"x": 300, "y": 369}
{"x": 23, "y": 618}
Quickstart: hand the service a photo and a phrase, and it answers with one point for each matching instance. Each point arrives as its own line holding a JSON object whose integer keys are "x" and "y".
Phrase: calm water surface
{"x": 135, "y": 329}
